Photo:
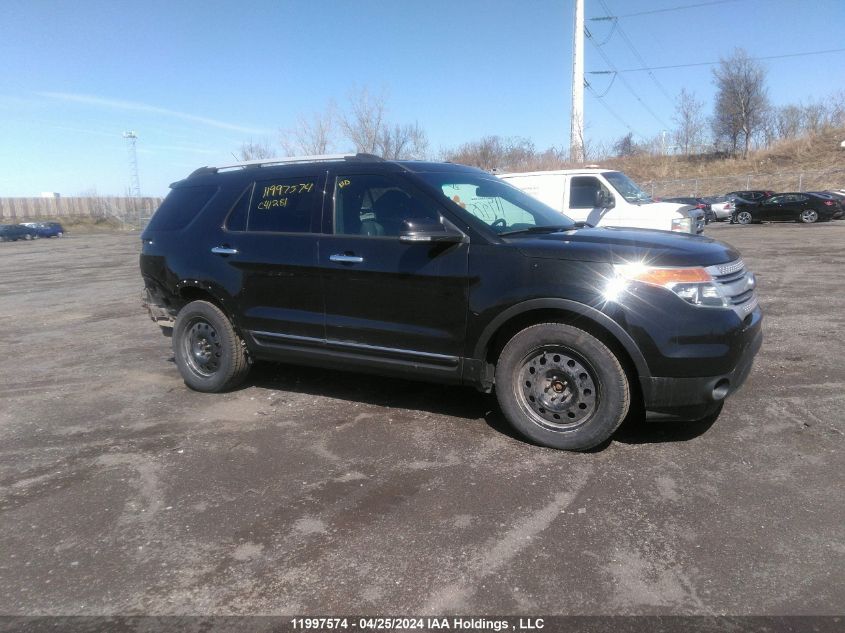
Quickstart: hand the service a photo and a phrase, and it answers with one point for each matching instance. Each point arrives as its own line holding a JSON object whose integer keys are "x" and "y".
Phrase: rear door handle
{"x": 224, "y": 250}
{"x": 346, "y": 259}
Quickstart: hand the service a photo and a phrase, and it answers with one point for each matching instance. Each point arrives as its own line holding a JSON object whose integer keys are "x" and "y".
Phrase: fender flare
{"x": 597, "y": 317}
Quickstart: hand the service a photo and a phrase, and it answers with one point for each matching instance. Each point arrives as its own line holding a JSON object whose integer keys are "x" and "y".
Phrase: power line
{"x": 636, "y": 53}
{"x": 634, "y": 70}
{"x": 609, "y": 109}
{"x": 676, "y": 8}
{"x": 623, "y": 80}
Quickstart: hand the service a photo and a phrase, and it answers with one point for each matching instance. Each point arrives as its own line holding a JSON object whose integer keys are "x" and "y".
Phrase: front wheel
{"x": 209, "y": 353}
{"x": 808, "y": 216}
{"x": 561, "y": 387}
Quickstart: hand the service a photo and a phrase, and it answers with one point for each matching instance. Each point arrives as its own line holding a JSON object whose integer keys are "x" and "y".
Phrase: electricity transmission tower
{"x": 134, "y": 183}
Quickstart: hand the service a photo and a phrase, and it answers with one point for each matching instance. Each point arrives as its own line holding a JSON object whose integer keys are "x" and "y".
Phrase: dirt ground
{"x": 308, "y": 491}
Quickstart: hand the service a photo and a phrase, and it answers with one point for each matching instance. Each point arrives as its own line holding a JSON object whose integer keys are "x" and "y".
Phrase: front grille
{"x": 736, "y": 284}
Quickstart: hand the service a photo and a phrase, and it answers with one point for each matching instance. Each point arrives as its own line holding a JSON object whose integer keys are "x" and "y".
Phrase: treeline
{"x": 741, "y": 118}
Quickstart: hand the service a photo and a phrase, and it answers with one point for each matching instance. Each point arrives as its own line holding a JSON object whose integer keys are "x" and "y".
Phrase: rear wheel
{"x": 808, "y": 216}
{"x": 744, "y": 217}
{"x": 209, "y": 353}
{"x": 561, "y": 387}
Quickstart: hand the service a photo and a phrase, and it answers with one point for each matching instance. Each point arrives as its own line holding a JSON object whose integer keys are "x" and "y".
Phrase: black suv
{"x": 443, "y": 272}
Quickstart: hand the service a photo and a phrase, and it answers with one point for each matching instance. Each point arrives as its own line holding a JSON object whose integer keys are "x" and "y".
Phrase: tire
{"x": 582, "y": 394}
{"x": 209, "y": 353}
{"x": 744, "y": 217}
{"x": 59, "y": 234}
{"x": 808, "y": 216}
{"x": 27, "y": 237}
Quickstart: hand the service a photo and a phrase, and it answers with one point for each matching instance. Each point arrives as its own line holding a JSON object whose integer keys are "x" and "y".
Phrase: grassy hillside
{"x": 808, "y": 163}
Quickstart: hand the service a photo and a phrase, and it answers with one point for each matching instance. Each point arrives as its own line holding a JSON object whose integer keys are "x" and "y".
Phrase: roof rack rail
{"x": 262, "y": 162}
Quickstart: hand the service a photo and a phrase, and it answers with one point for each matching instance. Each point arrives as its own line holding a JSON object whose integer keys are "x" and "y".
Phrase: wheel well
{"x": 192, "y": 293}
{"x": 558, "y": 315}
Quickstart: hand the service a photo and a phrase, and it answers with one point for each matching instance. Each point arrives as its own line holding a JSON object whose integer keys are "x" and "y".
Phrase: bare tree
{"x": 689, "y": 118}
{"x": 253, "y": 150}
{"x": 403, "y": 141}
{"x": 312, "y": 136}
{"x": 788, "y": 121}
{"x": 625, "y": 145}
{"x": 364, "y": 123}
{"x": 366, "y": 126}
{"x": 494, "y": 152}
{"x": 741, "y": 100}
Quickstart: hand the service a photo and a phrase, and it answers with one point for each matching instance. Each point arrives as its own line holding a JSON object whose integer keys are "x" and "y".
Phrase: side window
{"x": 180, "y": 206}
{"x": 489, "y": 206}
{"x": 236, "y": 220}
{"x": 283, "y": 205}
{"x": 582, "y": 192}
{"x": 377, "y": 206}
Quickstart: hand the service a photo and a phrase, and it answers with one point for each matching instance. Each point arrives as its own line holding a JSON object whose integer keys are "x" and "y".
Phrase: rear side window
{"x": 180, "y": 207}
{"x": 284, "y": 205}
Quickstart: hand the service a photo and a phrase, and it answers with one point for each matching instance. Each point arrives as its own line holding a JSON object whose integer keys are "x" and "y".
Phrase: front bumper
{"x": 692, "y": 398}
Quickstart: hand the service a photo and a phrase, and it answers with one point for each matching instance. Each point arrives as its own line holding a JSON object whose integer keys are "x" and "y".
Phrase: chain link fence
{"x": 720, "y": 185}
{"x": 130, "y": 213}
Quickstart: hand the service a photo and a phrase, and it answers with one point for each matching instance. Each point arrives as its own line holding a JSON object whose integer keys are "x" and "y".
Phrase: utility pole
{"x": 576, "y": 120}
{"x": 134, "y": 183}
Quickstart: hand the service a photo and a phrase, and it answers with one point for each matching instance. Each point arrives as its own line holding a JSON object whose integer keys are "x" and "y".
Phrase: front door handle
{"x": 346, "y": 259}
{"x": 224, "y": 250}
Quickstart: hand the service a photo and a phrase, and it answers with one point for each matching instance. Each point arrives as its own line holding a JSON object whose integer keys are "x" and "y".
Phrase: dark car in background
{"x": 748, "y": 195}
{"x": 46, "y": 229}
{"x": 698, "y": 203}
{"x": 15, "y": 232}
{"x": 793, "y": 206}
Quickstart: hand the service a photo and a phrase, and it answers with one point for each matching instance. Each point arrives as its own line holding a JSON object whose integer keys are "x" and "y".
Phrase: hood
{"x": 674, "y": 207}
{"x": 617, "y": 245}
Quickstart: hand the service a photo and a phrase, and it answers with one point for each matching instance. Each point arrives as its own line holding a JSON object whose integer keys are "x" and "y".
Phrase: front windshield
{"x": 500, "y": 206}
{"x": 627, "y": 188}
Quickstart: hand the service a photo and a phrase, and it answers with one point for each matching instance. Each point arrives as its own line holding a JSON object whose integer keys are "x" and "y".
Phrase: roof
{"x": 247, "y": 170}
{"x": 559, "y": 172}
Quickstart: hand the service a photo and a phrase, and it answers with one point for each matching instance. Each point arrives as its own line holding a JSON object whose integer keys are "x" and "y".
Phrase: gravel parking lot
{"x": 308, "y": 491}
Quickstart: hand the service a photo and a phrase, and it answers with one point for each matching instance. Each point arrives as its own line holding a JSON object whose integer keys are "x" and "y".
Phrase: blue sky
{"x": 196, "y": 79}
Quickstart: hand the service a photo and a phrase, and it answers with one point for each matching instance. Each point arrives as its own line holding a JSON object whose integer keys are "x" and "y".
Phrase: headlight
{"x": 693, "y": 285}
{"x": 683, "y": 225}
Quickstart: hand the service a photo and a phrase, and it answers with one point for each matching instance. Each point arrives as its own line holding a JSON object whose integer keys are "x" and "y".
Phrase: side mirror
{"x": 429, "y": 231}
{"x": 604, "y": 199}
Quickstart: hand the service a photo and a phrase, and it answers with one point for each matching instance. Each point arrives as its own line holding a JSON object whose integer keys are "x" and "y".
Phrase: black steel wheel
{"x": 209, "y": 353}
{"x": 558, "y": 389}
{"x": 561, "y": 387}
{"x": 202, "y": 347}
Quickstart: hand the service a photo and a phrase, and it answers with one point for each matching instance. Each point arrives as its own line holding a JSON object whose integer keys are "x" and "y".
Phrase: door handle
{"x": 346, "y": 259}
{"x": 224, "y": 250}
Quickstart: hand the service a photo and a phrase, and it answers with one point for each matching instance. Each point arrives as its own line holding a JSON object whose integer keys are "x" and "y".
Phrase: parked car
{"x": 603, "y": 197}
{"x": 698, "y": 203}
{"x": 443, "y": 272}
{"x": 14, "y": 232}
{"x": 837, "y": 195}
{"x": 753, "y": 195}
{"x": 722, "y": 207}
{"x": 788, "y": 207}
{"x": 46, "y": 229}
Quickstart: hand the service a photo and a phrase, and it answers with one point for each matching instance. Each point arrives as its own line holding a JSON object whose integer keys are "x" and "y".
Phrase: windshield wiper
{"x": 545, "y": 229}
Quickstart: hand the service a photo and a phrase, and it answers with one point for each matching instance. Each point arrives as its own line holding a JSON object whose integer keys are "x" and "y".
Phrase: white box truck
{"x": 603, "y": 197}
